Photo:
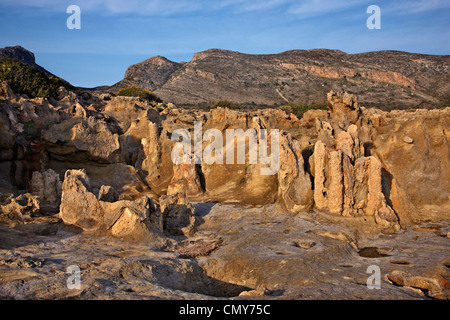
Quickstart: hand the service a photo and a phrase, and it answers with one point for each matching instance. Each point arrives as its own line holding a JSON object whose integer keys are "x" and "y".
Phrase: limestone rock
{"x": 136, "y": 220}
{"x": 349, "y": 143}
{"x": 139, "y": 220}
{"x": 185, "y": 178}
{"x": 344, "y": 108}
{"x": 178, "y": 214}
{"x": 408, "y": 140}
{"x": 79, "y": 206}
{"x": 108, "y": 194}
{"x": 348, "y": 189}
{"x": 81, "y": 140}
{"x": 19, "y": 209}
{"x": 434, "y": 285}
{"x": 325, "y": 132}
{"x": 415, "y": 172}
{"x": 47, "y": 185}
{"x": 294, "y": 184}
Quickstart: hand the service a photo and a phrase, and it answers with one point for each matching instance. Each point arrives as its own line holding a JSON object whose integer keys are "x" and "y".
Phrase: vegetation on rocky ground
{"x": 135, "y": 91}
{"x": 224, "y": 104}
{"x": 300, "y": 109}
{"x": 24, "y": 79}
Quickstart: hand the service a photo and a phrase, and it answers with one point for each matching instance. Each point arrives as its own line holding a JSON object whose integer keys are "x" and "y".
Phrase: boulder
{"x": 135, "y": 220}
{"x": 432, "y": 284}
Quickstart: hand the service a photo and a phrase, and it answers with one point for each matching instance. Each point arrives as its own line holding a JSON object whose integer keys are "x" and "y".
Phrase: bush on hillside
{"x": 135, "y": 91}
{"x": 300, "y": 109}
{"x": 224, "y": 104}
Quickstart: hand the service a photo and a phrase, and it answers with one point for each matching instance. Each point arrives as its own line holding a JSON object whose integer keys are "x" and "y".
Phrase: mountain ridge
{"x": 395, "y": 78}
{"x": 387, "y": 79}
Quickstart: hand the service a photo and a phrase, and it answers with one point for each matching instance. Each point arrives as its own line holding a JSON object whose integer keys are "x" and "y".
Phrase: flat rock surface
{"x": 237, "y": 252}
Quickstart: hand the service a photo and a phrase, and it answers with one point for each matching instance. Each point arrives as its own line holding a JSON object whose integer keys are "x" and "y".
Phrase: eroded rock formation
{"x": 347, "y": 161}
{"x": 138, "y": 220}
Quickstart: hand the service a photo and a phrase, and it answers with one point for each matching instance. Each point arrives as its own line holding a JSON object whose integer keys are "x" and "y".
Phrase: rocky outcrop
{"x": 150, "y": 74}
{"x": 336, "y": 161}
{"x": 415, "y": 170}
{"x": 344, "y": 108}
{"x": 434, "y": 285}
{"x": 47, "y": 186}
{"x": 82, "y": 140}
{"x": 136, "y": 220}
{"x": 294, "y": 184}
{"x": 185, "y": 178}
{"x": 346, "y": 182}
{"x": 177, "y": 214}
{"x": 19, "y": 209}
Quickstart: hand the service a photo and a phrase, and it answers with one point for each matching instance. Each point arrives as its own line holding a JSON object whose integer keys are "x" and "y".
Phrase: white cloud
{"x": 303, "y": 8}
{"x": 151, "y": 7}
{"x": 317, "y": 7}
{"x": 416, "y": 6}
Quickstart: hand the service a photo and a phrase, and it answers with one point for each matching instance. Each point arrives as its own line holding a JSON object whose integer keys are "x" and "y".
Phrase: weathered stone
{"x": 47, "y": 185}
{"x": 376, "y": 202}
{"x": 335, "y": 189}
{"x": 139, "y": 219}
{"x": 320, "y": 191}
{"x": 325, "y": 133}
{"x": 408, "y": 140}
{"x": 185, "y": 178}
{"x": 19, "y": 209}
{"x": 347, "y": 189}
{"x": 344, "y": 108}
{"x": 82, "y": 140}
{"x": 294, "y": 184}
{"x": 79, "y": 206}
{"x": 178, "y": 214}
{"x": 108, "y": 194}
{"x": 435, "y": 286}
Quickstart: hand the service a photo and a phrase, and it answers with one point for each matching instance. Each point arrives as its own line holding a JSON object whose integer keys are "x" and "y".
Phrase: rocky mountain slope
{"x": 24, "y": 56}
{"x": 385, "y": 79}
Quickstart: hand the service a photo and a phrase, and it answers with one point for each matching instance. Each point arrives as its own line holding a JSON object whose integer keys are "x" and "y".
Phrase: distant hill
{"x": 385, "y": 79}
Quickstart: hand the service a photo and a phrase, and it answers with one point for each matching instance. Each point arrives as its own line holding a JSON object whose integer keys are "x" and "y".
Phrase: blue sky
{"x": 115, "y": 33}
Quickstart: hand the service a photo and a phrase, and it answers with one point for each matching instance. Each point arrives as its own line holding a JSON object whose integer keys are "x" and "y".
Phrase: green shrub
{"x": 300, "y": 109}
{"x": 135, "y": 91}
{"x": 24, "y": 79}
{"x": 224, "y": 104}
